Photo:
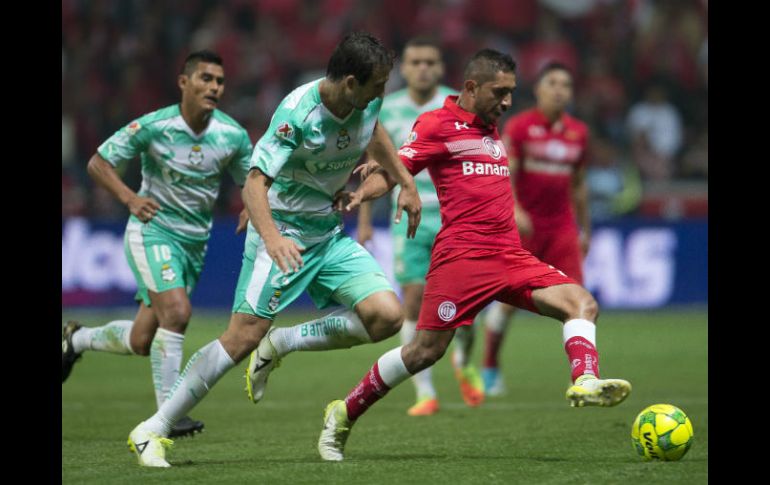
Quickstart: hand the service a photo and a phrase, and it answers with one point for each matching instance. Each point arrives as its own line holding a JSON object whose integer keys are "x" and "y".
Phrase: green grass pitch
{"x": 531, "y": 435}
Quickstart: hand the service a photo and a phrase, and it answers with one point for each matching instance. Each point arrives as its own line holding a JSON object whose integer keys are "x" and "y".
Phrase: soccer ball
{"x": 662, "y": 432}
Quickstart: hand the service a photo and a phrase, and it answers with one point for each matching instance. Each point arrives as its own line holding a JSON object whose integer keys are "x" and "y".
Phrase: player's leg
{"x": 344, "y": 274}
{"x": 391, "y": 369}
{"x": 496, "y": 322}
{"x": 445, "y": 307}
{"x": 148, "y": 440}
{"x": 577, "y": 309}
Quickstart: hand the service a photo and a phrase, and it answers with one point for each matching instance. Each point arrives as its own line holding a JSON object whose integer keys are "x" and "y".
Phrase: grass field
{"x": 531, "y": 435}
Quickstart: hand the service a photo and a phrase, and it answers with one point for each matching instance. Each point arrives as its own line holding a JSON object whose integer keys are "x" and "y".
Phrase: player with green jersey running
{"x": 294, "y": 194}
{"x": 422, "y": 68}
{"x": 184, "y": 148}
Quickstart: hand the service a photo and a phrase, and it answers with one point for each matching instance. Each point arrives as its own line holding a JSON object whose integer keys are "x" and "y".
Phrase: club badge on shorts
{"x": 447, "y": 311}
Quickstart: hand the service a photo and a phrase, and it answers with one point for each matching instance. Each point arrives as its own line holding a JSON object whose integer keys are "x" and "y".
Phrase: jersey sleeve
{"x": 241, "y": 160}
{"x": 423, "y": 146}
{"x": 273, "y": 150}
{"x": 127, "y": 142}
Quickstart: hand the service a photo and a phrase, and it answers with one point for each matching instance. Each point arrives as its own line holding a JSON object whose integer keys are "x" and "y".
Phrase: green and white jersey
{"x": 182, "y": 170}
{"x": 398, "y": 115}
{"x": 310, "y": 153}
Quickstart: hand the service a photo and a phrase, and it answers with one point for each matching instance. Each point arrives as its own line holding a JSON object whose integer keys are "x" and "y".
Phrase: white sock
{"x": 202, "y": 371}
{"x": 463, "y": 345}
{"x": 423, "y": 380}
{"x": 392, "y": 368}
{"x": 579, "y": 328}
{"x": 113, "y": 337}
{"x": 340, "y": 329}
{"x": 166, "y": 361}
{"x": 496, "y": 319}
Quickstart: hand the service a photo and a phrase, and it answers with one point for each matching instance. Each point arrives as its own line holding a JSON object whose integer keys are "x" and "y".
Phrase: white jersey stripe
{"x": 544, "y": 166}
{"x": 136, "y": 246}
{"x": 259, "y": 274}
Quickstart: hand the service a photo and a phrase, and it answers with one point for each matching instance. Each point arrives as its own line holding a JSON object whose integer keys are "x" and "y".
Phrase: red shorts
{"x": 561, "y": 249}
{"x": 464, "y": 281}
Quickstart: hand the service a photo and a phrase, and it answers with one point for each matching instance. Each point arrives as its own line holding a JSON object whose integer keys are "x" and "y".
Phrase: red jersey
{"x": 469, "y": 167}
{"x": 547, "y": 155}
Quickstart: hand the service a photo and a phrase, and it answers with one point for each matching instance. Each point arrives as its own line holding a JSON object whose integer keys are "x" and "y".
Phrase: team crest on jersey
{"x": 408, "y": 152}
{"x": 275, "y": 300}
{"x": 196, "y": 155}
{"x": 447, "y": 311}
{"x": 571, "y": 135}
{"x": 133, "y": 128}
{"x": 343, "y": 140}
{"x": 412, "y": 137}
{"x": 284, "y": 131}
{"x": 167, "y": 273}
{"x": 492, "y": 148}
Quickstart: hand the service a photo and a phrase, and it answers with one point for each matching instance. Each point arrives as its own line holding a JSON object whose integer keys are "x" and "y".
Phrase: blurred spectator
{"x": 121, "y": 56}
{"x": 655, "y": 132}
{"x": 614, "y": 183}
{"x": 695, "y": 162}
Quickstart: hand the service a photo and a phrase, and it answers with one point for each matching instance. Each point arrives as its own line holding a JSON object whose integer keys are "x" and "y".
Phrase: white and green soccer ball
{"x": 662, "y": 432}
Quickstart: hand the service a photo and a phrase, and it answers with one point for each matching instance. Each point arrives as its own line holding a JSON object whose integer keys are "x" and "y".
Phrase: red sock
{"x": 370, "y": 390}
{"x": 492, "y": 343}
{"x": 583, "y": 357}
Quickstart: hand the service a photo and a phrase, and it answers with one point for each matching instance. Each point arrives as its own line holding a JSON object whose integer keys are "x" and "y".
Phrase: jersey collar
{"x": 466, "y": 116}
{"x": 557, "y": 126}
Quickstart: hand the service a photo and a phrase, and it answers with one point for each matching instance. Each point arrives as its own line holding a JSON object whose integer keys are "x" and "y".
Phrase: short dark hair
{"x": 192, "y": 60}
{"x": 358, "y": 54}
{"x": 422, "y": 41}
{"x": 486, "y": 63}
{"x": 550, "y": 67}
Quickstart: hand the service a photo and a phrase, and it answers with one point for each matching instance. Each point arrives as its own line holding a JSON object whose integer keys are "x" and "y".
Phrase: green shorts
{"x": 336, "y": 271}
{"x": 160, "y": 262}
{"x": 411, "y": 257}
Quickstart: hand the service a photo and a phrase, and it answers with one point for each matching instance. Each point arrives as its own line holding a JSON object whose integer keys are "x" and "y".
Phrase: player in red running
{"x": 477, "y": 257}
{"x": 547, "y": 155}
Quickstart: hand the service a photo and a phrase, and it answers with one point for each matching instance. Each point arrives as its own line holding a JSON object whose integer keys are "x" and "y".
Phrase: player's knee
{"x": 386, "y": 323}
{"x": 141, "y": 344}
{"x": 584, "y": 305}
{"x": 175, "y": 316}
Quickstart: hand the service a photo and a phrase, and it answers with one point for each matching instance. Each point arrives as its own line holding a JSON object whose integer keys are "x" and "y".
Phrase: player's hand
{"x": 409, "y": 200}
{"x": 144, "y": 208}
{"x": 243, "y": 221}
{"x": 346, "y": 201}
{"x": 366, "y": 169}
{"x": 523, "y": 222}
{"x": 285, "y": 253}
{"x": 365, "y": 233}
{"x": 585, "y": 242}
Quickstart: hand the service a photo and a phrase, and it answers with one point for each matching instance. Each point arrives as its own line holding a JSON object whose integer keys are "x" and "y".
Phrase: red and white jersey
{"x": 547, "y": 155}
{"x": 468, "y": 165}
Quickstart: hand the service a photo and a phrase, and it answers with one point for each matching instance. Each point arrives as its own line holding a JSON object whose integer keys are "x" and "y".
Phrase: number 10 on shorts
{"x": 162, "y": 252}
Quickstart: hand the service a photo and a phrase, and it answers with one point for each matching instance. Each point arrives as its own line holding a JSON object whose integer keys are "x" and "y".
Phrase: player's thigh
{"x": 450, "y": 301}
{"x": 348, "y": 274}
{"x": 159, "y": 262}
{"x": 528, "y": 278}
{"x": 263, "y": 290}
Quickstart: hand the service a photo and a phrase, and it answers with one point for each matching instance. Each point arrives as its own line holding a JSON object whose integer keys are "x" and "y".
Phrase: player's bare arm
{"x": 381, "y": 149}
{"x": 144, "y": 208}
{"x": 243, "y": 217}
{"x": 523, "y": 222}
{"x": 283, "y": 251}
{"x": 580, "y": 201}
